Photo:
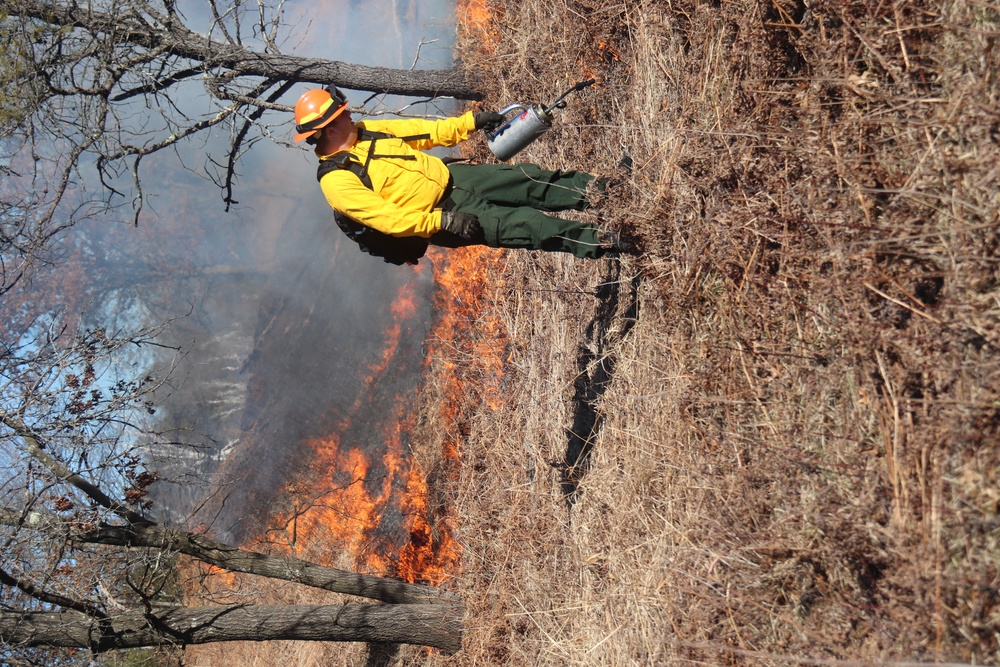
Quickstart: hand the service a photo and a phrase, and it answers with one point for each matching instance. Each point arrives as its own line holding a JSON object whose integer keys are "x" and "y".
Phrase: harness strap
{"x": 394, "y": 250}
{"x": 362, "y": 133}
{"x": 372, "y": 137}
{"x": 344, "y": 161}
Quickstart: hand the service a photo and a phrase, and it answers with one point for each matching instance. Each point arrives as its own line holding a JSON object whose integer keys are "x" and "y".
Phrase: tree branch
{"x": 36, "y": 449}
{"x": 180, "y": 41}
{"x": 234, "y": 151}
{"x": 233, "y": 559}
{"x": 160, "y": 84}
{"x": 429, "y": 625}
{"x": 47, "y": 597}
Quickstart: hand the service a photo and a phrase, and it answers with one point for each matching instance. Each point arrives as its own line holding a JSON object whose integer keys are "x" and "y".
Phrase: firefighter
{"x": 394, "y": 199}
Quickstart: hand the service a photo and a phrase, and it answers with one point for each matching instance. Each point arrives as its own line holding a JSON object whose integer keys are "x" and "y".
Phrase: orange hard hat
{"x": 317, "y": 108}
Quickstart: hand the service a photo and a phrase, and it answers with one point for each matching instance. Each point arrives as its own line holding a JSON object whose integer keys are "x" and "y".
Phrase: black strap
{"x": 344, "y": 161}
{"x": 362, "y": 133}
{"x": 373, "y": 137}
{"x": 392, "y": 249}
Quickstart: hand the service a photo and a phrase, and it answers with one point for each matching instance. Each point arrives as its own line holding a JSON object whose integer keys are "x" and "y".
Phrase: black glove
{"x": 488, "y": 120}
{"x": 465, "y": 225}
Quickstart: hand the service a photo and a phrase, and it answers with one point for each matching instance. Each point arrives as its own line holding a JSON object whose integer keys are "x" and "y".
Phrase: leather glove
{"x": 488, "y": 120}
{"x": 465, "y": 225}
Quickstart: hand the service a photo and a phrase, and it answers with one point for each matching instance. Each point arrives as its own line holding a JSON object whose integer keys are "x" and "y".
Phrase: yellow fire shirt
{"x": 405, "y": 190}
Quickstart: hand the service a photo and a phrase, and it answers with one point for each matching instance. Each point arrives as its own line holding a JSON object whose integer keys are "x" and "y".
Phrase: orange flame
{"x": 607, "y": 52}
{"x": 228, "y": 578}
{"x": 350, "y": 505}
{"x": 464, "y": 319}
{"x": 476, "y": 21}
{"x": 346, "y": 497}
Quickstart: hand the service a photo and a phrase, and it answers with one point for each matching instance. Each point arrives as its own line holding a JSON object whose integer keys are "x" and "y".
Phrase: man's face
{"x": 334, "y": 129}
{"x": 341, "y": 122}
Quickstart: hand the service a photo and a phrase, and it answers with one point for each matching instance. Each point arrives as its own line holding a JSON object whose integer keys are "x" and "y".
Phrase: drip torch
{"x": 533, "y": 121}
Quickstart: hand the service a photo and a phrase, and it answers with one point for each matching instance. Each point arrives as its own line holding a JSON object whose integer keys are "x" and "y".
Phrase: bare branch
{"x": 49, "y": 597}
{"x": 36, "y": 449}
{"x": 180, "y": 41}
{"x": 234, "y": 151}
{"x": 160, "y": 84}
{"x": 230, "y": 558}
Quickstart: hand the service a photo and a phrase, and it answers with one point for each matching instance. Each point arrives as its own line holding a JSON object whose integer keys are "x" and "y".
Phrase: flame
{"x": 346, "y": 504}
{"x": 403, "y": 307}
{"x": 473, "y": 12}
{"x": 477, "y": 22}
{"x": 432, "y": 552}
{"x": 607, "y": 52}
{"x": 341, "y": 504}
{"x": 464, "y": 319}
{"x": 208, "y": 584}
{"x": 228, "y": 578}
{"x": 364, "y": 501}
{"x": 377, "y": 513}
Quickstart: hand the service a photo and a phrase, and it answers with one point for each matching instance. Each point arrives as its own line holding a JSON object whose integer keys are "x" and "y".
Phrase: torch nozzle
{"x": 577, "y": 87}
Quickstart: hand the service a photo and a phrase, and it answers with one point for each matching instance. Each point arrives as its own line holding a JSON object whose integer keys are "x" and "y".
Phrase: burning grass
{"x": 387, "y": 510}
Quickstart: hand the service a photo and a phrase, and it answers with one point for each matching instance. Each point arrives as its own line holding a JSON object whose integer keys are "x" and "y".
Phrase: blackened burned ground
{"x": 616, "y": 313}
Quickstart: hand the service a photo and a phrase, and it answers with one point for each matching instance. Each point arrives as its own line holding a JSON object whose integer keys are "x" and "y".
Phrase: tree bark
{"x": 234, "y": 559}
{"x": 286, "y": 568}
{"x": 178, "y": 40}
{"x": 438, "y": 626}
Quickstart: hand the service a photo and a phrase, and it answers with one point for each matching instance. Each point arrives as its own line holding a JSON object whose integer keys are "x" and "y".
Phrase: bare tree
{"x": 83, "y": 563}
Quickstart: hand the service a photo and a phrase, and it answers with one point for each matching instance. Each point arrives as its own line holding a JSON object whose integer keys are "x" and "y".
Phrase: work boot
{"x": 616, "y": 244}
{"x": 622, "y": 173}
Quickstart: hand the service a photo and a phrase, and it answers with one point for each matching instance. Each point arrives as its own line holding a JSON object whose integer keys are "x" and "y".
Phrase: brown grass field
{"x": 791, "y": 398}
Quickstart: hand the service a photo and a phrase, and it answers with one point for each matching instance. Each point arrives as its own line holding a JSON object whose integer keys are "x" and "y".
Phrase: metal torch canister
{"x": 533, "y": 121}
{"x": 508, "y": 139}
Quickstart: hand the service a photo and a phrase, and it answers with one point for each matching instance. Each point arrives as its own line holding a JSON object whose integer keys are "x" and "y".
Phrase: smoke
{"x": 325, "y": 353}
{"x": 289, "y": 332}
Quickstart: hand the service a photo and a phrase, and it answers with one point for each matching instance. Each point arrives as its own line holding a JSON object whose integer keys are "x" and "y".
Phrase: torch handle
{"x": 503, "y": 112}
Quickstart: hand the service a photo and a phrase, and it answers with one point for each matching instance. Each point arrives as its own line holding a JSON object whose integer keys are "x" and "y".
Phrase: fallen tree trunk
{"x": 438, "y": 626}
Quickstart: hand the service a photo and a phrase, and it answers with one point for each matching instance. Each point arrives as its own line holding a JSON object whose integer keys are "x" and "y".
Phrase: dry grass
{"x": 798, "y": 453}
{"x": 796, "y": 458}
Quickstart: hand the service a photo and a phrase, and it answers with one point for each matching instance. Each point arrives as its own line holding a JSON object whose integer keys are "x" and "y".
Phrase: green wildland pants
{"x": 510, "y": 201}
